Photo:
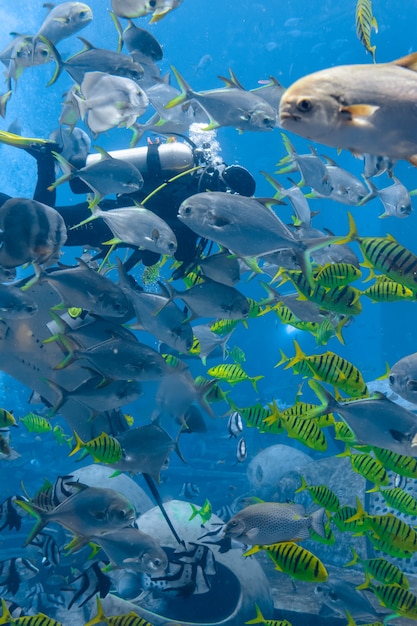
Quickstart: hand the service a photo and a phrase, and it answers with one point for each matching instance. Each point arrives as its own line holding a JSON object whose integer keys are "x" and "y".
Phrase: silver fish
{"x": 341, "y": 595}
{"x": 26, "y": 51}
{"x": 64, "y": 20}
{"x": 90, "y": 511}
{"x": 376, "y": 421}
{"x": 131, "y": 549}
{"x": 271, "y": 92}
{"x": 146, "y": 449}
{"x": 395, "y": 199}
{"x": 140, "y": 43}
{"x": 311, "y": 167}
{"x": 229, "y": 106}
{"x": 403, "y": 377}
{"x": 375, "y": 165}
{"x": 271, "y": 522}
{"x": 92, "y": 59}
{"x": 221, "y": 267}
{"x": 110, "y": 101}
{"x": 347, "y": 188}
{"x": 75, "y": 144}
{"x": 15, "y": 303}
{"x": 32, "y": 231}
{"x": 83, "y": 287}
{"x": 363, "y": 108}
{"x": 106, "y": 176}
{"x": 212, "y": 299}
{"x": 139, "y": 8}
{"x": 137, "y": 226}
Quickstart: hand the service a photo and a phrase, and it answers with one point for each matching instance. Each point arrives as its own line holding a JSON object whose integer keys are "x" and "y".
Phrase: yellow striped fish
{"x": 395, "y": 598}
{"x": 399, "y": 463}
{"x": 260, "y": 619}
{"x": 380, "y": 569}
{"x": 128, "y": 619}
{"x": 104, "y": 448}
{"x": 294, "y": 560}
{"x": 321, "y": 495}
{"x": 365, "y": 22}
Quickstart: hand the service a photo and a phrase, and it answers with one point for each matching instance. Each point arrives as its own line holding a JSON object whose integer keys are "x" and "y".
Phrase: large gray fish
{"x": 341, "y": 595}
{"x": 32, "y": 231}
{"x": 130, "y": 548}
{"x": 139, "y": 8}
{"x": 271, "y": 92}
{"x": 271, "y": 522}
{"x": 90, "y": 511}
{"x": 376, "y": 421}
{"x": 137, "y": 226}
{"x": 146, "y": 449}
{"x": 75, "y": 144}
{"x": 26, "y": 51}
{"x": 120, "y": 359}
{"x": 106, "y": 176}
{"x": 403, "y": 377}
{"x": 15, "y": 303}
{"x": 311, "y": 167}
{"x": 92, "y": 59}
{"x": 114, "y": 395}
{"x": 368, "y": 109}
{"x": 175, "y": 395}
{"x": 395, "y": 199}
{"x": 140, "y": 43}
{"x": 83, "y": 287}
{"x": 229, "y": 106}
{"x": 212, "y": 299}
{"x": 178, "y": 119}
{"x": 169, "y": 325}
{"x": 65, "y": 20}
{"x": 222, "y": 267}
{"x": 346, "y": 187}
{"x": 110, "y": 101}
{"x": 244, "y": 226}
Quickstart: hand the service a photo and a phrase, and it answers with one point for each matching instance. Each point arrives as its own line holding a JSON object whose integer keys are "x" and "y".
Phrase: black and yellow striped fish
{"x": 399, "y": 463}
{"x": 294, "y": 560}
{"x": 104, "y": 448}
{"x": 365, "y": 22}
{"x": 395, "y": 598}
{"x": 380, "y": 569}
{"x": 321, "y": 495}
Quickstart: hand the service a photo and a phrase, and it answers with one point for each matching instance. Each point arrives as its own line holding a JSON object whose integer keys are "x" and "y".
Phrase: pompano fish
{"x": 229, "y": 106}
{"x": 244, "y": 226}
{"x": 346, "y": 188}
{"x": 139, "y": 8}
{"x": 403, "y": 377}
{"x": 376, "y": 421}
{"x": 110, "y": 101}
{"x": 26, "y": 51}
{"x": 64, "y": 20}
{"x": 129, "y": 548}
{"x": 90, "y": 511}
{"x": 15, "y": 303}
{"x": 221, "y": 267}
{"x": 363, "y": 108}
{"x": 137, "y": 226}
{"x": 146, "y": 449}
{"x": 75, "y": 144}
{"x": 106, "y": 176}
{"x": 395, "y": 199}
{"x": 140, "y": 43}
{"x": 272, "y": 522}
{"x": 92, "y": 59}
{"x": 32, "y": 231}
{"x": 83, "y": 287}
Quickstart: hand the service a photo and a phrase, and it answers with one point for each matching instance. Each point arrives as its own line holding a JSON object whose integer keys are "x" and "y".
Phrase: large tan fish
{"x": 363, "y": 108}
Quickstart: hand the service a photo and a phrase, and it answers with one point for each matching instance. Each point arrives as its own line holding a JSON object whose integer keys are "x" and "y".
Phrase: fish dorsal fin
{"x": 409, "y": 61}
{"x": 48, "y": 5}
{"x": 88, "y": 45}
{"x": 233, "y": 81}
{"x": 103, "y": 153}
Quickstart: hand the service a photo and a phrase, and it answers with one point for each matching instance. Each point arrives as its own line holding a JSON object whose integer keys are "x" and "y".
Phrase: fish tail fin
{"x": 288, "y": 146}
{"x": 254, "y": 380}
{"x": 329, "y": 403}
{"x": 284, "y": 359}
{"x": 353, "y": 234}
{"x": 79, "y": 444}
{"x": 303, "y": 485}
{"x": 6, "y": 617}
{"x": 41, "y": 522}
{"x": 70, "y": 358}
{"x": 186, "y": 91}
{"x": 350, "y": 620}
{"x": 194, "y": 512}
{"x": 259, "y": 619}
{"x": 59, "y": 63}
{"x": 100, "y": 617}
{"x": 355, "y": 559}
{"x": 61, "y": 393}
{"x": 360, "y": 514}
{"x": 338, "y": 329}
{"x": 95, "y": 210}
{"x": 119, "y": 30}
{"x": 3, "y": 102}
{"x": 367, "y": 584}
{"x": 318, "y": 522}
{"x": 68, "y": 169}
{"x": 171, "y": 292}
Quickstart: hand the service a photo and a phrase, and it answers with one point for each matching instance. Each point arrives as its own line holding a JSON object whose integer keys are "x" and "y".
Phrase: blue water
{"x": 285, "y": 39}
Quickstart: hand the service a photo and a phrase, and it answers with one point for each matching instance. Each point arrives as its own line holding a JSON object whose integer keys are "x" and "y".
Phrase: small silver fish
{"x": 403, "y": 377}
{"x": 395, "y": 199}
{"x": 64, "y": 20}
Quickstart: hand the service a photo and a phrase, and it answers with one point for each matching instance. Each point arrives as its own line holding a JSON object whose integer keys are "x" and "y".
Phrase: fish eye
{"x": 391, "y": 379}
{"x": 44, "y": 52}
{"x": 333, "y": 595}
{"x": 186, "y": 210}
{"x": 304, "y": 105}
{"x": 82, "y": 14}
{"x": 152, "y": 3}
{"x": 267, "y": 121}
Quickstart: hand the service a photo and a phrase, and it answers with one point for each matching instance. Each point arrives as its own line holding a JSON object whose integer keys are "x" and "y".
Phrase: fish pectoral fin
{"x": 252, "y": 533}
{"x": 358, "y": 114}
{"x": 412, "y": 385}
{"x": 397, "y": 435}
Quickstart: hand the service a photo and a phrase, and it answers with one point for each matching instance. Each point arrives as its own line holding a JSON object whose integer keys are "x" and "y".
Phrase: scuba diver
{"x": 158, "y": 163}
